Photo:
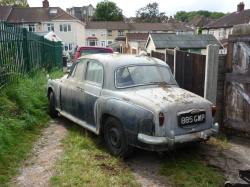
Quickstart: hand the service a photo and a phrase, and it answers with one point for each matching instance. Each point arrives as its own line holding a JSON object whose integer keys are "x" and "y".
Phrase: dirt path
{"x": 145, "y": 166}
{"x": 39, "y": 167}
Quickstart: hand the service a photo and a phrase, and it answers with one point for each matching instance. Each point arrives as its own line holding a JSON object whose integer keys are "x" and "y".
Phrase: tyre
{"x": 52, "y": 106}
{"x": 115, "y": 138}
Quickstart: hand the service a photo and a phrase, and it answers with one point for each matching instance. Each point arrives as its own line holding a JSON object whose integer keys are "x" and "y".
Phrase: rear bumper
{"x": 171, "y": 139}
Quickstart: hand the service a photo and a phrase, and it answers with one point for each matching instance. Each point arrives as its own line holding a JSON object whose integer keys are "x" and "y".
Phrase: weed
{"x": 23, "y": 113}
{"x": 86, "y": 163}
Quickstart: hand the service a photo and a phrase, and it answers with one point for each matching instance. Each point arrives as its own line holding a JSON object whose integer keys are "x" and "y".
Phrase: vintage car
{"x": 133, "y": 101}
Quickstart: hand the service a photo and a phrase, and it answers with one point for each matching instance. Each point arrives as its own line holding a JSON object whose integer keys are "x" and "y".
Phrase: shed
{"x": 186, "y": 42}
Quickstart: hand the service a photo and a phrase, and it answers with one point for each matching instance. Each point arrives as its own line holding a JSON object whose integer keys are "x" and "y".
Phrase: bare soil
{"x": 39, "y": 166}
{"x": 229, "y": 160}
{"x": 145, "y": 166}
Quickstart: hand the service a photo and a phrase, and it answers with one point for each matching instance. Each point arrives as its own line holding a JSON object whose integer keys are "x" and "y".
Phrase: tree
{"x": 150, "y": 14}
{"x": 16, "y": 3}
{"x": 188, "y": 16}
{"x": 107, "y": 11}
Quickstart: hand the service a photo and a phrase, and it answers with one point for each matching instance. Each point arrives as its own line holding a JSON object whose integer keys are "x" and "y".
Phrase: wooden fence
{"x": 237, "y": 87}
{"x": 23, "y": 52}
{"x": 189, "y": 71}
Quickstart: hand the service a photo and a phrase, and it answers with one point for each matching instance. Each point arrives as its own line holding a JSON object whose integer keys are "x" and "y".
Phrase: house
{"x": 46, "y": 19}
{"x": 171, "y": 27}
{"x": 223, "y": 27}
{"x": 104, "y": 33}
{"x": 135, "y": 42}
{"x": 84, "y": 13}
{"x": 191, "y": 43}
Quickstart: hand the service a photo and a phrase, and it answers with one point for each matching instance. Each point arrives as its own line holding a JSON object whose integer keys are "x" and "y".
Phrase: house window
{"x": 211, "y": 32}
{"x": 66, "y": 48}
{"x": 109, "y": 32}
{"x": 92, "y": 42}
{"x": 70, "y": 47}
{"x": 103, "y": 43}
{"x": 50, "y": 27}
{"x": 31, "y": 28}
{"x": 110, "y": 42}
{"x": 65, "y": 28}
{"x": 120, "y": 33}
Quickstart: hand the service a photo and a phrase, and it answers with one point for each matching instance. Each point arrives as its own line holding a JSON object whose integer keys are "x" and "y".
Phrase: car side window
{"x": 94, "y": 73}
{"x": 78, "y": 71}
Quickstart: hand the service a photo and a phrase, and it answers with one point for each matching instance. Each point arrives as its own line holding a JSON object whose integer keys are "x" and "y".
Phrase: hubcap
{"x": 114, "y": 138}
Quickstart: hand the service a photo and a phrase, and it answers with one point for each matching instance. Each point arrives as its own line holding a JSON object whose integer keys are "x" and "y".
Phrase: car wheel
{"x": 52, "y": 106}
{"x": 115, "y": 138}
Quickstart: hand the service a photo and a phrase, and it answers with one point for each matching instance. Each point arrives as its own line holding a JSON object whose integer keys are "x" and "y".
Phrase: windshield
{"x": 143, "y": 75}
{"x": 94, "y": 51}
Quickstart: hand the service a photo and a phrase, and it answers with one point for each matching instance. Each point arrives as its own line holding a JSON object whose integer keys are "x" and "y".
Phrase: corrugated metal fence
{"x": 22, "y": 52}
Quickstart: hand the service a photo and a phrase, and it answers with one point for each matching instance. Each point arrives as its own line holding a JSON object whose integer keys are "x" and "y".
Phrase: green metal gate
{"x": 22, "y": 52}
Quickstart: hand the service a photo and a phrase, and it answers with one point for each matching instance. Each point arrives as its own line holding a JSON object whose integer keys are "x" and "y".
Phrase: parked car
{"x": 82, "y": 51}
{"x": 134, "y": 101}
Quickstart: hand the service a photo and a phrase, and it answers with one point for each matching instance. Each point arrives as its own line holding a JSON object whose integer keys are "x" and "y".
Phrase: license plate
{"x": 191, "y": 118}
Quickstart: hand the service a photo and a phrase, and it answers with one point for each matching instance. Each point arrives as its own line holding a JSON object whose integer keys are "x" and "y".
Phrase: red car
{"x": 81, "y": 51}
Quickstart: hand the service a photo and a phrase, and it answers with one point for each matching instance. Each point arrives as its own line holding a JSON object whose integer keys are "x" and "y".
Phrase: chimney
{"x": 240, "y": 7}
{"x": 45, "y": 4}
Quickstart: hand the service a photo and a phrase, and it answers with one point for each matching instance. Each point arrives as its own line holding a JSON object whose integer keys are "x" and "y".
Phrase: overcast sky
{"x": 129, "y": 7}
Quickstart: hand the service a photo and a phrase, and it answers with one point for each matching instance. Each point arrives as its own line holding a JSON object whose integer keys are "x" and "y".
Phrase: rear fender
{"x": 134, "y": 118}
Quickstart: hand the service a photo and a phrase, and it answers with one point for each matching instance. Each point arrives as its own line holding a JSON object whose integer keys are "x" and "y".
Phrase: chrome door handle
{"x": 79, "y": 88}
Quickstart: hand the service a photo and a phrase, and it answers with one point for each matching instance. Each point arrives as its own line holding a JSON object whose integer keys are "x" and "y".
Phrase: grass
{"x": 86, "y": 163}
{"x": 186, "y": 168}
{"x": 23, "y": 113}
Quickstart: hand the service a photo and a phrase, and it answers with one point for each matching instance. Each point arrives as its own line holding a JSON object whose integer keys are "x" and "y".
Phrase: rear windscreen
{"x": 94, "y": 51}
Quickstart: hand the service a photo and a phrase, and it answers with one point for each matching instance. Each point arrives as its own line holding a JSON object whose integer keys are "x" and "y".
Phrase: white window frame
{"x": 32, "y": 28}
{"x": 65, "y": 27}
{"x": 103, "y": 43}
{"x": 50, "y": 27}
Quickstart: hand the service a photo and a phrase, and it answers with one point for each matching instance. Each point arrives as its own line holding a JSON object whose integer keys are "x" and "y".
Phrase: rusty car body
{"x": 133, "y": 101}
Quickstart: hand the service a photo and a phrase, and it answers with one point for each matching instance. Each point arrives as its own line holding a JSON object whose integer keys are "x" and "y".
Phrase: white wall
{"x": 75, "y": 37}
{"x": 100, "y": 34}
{"x": 220, "y": 33}
{"x": 150, "y": 47}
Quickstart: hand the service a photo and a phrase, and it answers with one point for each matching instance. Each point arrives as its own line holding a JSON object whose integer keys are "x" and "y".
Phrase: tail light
{"x": 213, "y": 110}
{"x": 161, "y": 118}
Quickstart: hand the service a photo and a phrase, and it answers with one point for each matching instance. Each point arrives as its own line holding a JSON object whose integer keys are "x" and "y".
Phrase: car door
{"x": 92, "y": 88}
{"x": 73, "y": 88}
{"x": 65, "y": 92}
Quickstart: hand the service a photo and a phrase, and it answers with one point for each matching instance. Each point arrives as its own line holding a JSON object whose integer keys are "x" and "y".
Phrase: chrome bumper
{"x": 171, "y": 139}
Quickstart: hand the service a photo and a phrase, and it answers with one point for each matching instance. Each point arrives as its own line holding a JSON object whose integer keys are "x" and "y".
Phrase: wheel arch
{"x": 50, "y": 89}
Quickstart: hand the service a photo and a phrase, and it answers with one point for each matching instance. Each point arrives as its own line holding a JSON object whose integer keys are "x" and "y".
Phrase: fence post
{"x": 175, "y": 49}
{"x": 211, "y": 73}
{"x": 26, "y": 50}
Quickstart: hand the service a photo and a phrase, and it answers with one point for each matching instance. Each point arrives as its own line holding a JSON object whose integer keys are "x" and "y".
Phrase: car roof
{"x": 92, "y": 47}
{"x": 117, "y": 60}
